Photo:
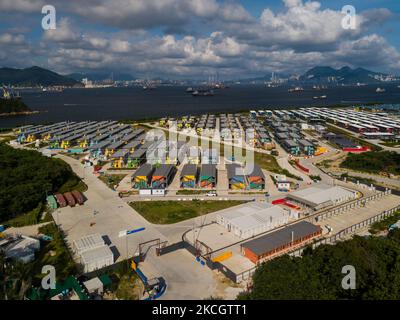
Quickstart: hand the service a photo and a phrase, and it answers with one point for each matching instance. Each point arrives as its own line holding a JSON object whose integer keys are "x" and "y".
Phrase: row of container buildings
{"x": 256, "y": 133}
{"x": 291, "y": 139}
{"x": 67, "y": 199}
{"x": 356, "y": 121}
{"x": 159, "y": 177}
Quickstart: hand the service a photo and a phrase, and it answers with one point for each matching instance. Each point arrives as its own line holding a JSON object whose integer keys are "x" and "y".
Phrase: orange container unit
{"x": 163, "y": 176}
{"x": 256, "y": 178}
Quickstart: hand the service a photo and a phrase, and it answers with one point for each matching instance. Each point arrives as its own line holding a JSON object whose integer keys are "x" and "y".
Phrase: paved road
{"x": 186, "y": 279}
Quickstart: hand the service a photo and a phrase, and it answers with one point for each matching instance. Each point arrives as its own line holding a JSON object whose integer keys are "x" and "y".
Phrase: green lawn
{"x": 167, "y": 212}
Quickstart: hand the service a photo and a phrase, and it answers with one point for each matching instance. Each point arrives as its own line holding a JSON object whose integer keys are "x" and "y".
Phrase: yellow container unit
{"x": 119, "y": 158}
{"x": 65, "y": 144}
{"x": 222, "y": 257}
{"x": 321, "y": 150}
{"x": 46, "y": 137}
{"x": 84, "y": 144}
{"x": 188, "y": 176}
{"x": 31, "y": 138}
{"x": 236, "y": 177}
{"x": 142, "y": 176}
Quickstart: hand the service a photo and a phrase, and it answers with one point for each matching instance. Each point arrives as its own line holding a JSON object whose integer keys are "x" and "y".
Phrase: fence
{"x": 349, "y": 230}
{"x": 351, "y": 205}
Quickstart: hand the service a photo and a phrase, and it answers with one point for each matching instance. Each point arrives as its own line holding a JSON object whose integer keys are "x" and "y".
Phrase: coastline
{"x": 22, "y": 113}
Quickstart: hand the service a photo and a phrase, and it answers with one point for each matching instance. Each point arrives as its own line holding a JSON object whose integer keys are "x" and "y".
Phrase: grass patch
{"x": 112, "y": 180}
{"x": 53, "y": 253}
{"x": 167, "y": 212}
{"x": 367, "y": 181}
{"x": 27, "y": 219}
{"x": 392, "y": 144}
{"x": 189, "y": 192}
{"x": 385, "y": 223}
{"x": 73, "y": 183}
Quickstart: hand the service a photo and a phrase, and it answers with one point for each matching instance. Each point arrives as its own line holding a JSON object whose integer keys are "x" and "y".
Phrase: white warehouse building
{"x": 321, "y": 196}
{"x": 250, "y": 219}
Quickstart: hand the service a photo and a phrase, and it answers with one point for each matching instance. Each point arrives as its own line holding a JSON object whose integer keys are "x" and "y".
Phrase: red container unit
{"x": 300, "y": 166}
{"x": 70, "y": 199}
{"x": 61, "y": 200}
{"x": 78, "y": 197}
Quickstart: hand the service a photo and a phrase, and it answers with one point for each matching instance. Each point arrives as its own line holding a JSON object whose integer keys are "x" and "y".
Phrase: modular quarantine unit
{"x": 208, "y": 176}
{"x": 256, "y": 178}
{"x": 236, "y": 177}
{"x": 142, "y": 177}
{"x": 189, "y": 176}
{"x": 163, "y": 176}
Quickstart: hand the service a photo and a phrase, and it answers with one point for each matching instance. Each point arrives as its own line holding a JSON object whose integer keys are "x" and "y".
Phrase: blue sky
{"x": 195, "y": 38}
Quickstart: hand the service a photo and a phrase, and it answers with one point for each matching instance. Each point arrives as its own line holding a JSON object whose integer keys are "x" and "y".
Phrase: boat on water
{"x": 380, "y": 90}
{"x": 52, "y": 89}
{"x": 189, "y": 90}
{"x": 320, "y": 97}
{"x": 296, "y": 89}
{"x": 203, "y": 93}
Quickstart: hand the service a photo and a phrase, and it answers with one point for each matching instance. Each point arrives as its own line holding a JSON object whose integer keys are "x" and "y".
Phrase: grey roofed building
{"x": 256, "y": 171}
{"x": 208, "y": 170}
{"x": 291, "y": 143}
{"x": 234, "y": 170}
{"x": 120, "y": 154}
{"x": 144, "y": 170}
{"x": 163, "y": 170}
{"x": 100, "y": 145}
{"x": 321, "y": 196}
{"x": 305, "y": 143}
{"x": 139, "y": 153}
{"x": 189, "y": 170}
{"x": 282, "y": 136}
{"x": 281, "y": 237}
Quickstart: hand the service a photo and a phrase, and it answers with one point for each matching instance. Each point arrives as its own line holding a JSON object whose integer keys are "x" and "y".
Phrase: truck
{"x": 70, "y": 199}
{"x": 61, "y": 200}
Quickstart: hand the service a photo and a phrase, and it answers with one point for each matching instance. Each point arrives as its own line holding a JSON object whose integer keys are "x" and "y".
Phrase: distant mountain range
{"x": 345, "y": 75}
{"x": 34, "y": 76}
{"x": 329, "y": 75}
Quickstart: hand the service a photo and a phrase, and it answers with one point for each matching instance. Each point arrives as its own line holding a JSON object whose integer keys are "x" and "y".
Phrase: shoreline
{"x": 22, "y": 113}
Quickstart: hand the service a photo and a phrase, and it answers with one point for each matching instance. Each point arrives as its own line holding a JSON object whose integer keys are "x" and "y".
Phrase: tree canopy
{"x": 26, "y": 176}
{"x": 317, "y": 275}
{"x": 373, "y": 162}
{"x": 13, "y": 105}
